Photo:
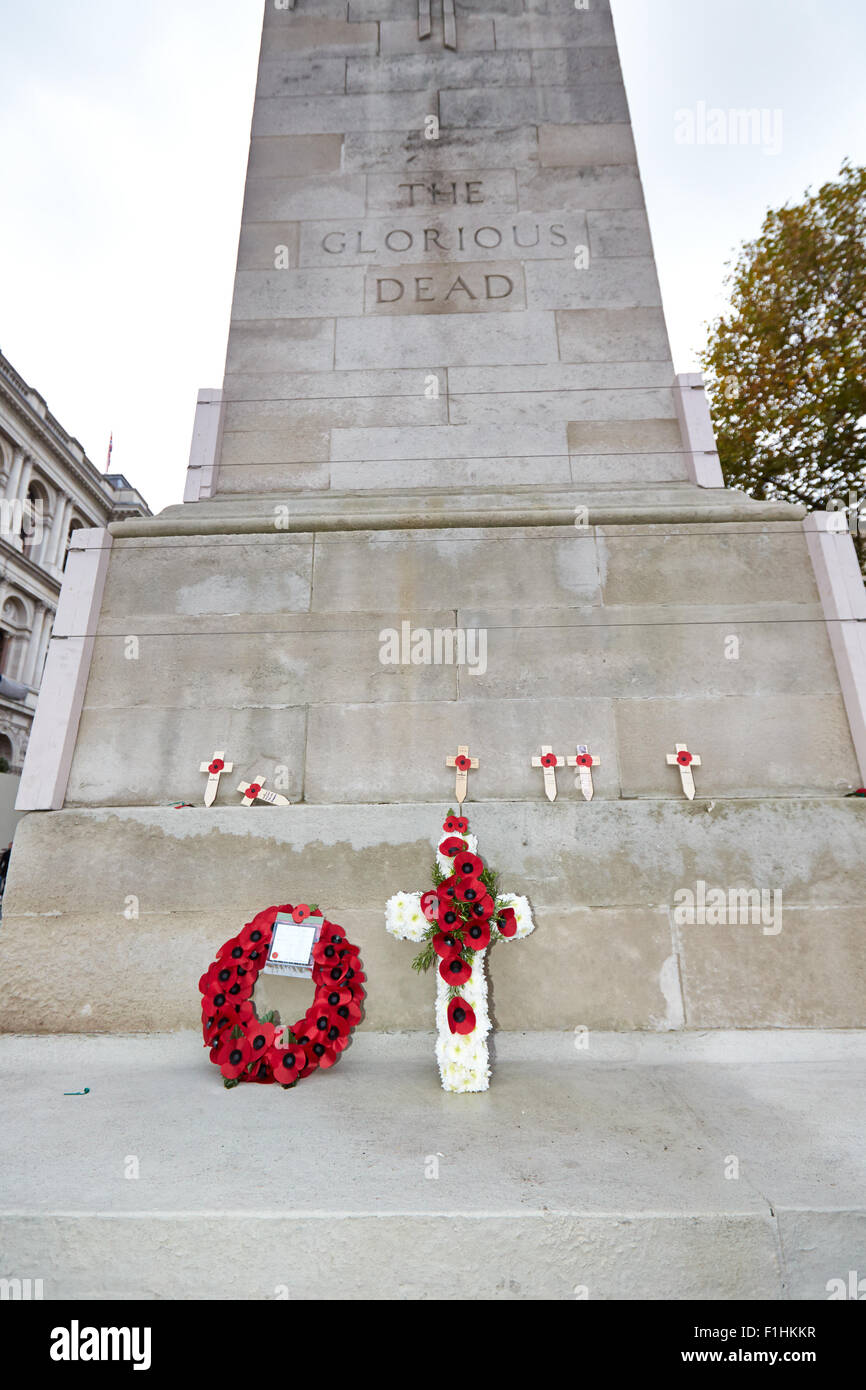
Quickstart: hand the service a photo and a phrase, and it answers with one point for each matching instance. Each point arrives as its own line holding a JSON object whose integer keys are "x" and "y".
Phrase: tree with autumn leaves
{"x": 786, "y": 364}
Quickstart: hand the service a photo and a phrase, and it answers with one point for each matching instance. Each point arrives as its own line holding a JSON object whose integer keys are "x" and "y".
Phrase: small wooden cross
{"x": 549, "y": 762}
{"x": 215, "y": 769}
{"x": 685, "y": 761}
{"x": 584, "y": 762}
{"x": 255, "y": 791}
{"x": 463, "y": 763}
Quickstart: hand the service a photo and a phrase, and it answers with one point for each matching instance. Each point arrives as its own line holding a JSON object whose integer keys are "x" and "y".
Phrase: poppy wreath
{"x": 248, "y": 1048}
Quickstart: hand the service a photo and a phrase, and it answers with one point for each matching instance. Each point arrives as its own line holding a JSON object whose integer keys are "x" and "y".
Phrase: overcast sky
{"x": 123, "y": 140}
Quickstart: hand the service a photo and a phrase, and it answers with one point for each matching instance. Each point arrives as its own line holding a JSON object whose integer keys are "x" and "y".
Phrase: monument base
{"x": 139, "y": 899}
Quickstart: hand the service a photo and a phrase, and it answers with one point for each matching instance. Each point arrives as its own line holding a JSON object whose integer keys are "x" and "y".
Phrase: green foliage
{"x": 425, "y": 957}
{"x": 786, "y": 364}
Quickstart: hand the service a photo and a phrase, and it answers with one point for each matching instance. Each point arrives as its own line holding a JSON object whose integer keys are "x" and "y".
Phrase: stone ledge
{"x": 607, "y": 1176}
{"x": 679, "y": 504}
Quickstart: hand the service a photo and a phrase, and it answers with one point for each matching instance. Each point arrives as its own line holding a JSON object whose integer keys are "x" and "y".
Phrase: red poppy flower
{"x": 255, "y": 937}
{"x": 450, "y": 919}
{"x": 241, "y": 1010}
{"x": 450, "y": 826}
{"x": 216, "y": 766}
{"x": 260, "y": 1037}
{"x": 455, "y": 971}
{"x": 219, "y": 976}
{"x": 462, "y": 825}
{"x": 549, "y": 760}
{"x": 461, "y": 1018}
{"x": 463, "y": 763}
{"x": 233, "y": 1057}
{"x": 334, "y": 995}
{"x": 214, "y": 1025}
{"x": 446, "y": 946}
{"x": 584, "y": 760}
{"x": 336, "y": 936}
{"x": 468, "y": 865}
{"x": 301, "y": 913}
{"x": 430, "y": 905}
{"x": 216, "y": 999}
{"x": 477, "y": 935}
{"x": 351, "y": 1013}
{"x": 481, "y": 910}
{"x": 253, "y": 790}
{"x": 321, "y": 1055}
{"x": 507, "y": 923}
{"x": 684, "y": 759}
{"x": 326, "y": 953}
{"x": 469, "y": 890}
{"x": 323, "y": 1025}
{"x": 286, "y": 1063}
{"x": 453, "y": 845}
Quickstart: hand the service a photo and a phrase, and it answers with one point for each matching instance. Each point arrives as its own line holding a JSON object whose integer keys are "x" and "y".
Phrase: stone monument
{"x": 450, "y": 413}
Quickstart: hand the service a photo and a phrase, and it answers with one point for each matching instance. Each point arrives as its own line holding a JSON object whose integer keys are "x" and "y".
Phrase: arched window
{"x": 34, "y": 520}
{"x": 75, "y": 525}
{"x": 15, "y": 631}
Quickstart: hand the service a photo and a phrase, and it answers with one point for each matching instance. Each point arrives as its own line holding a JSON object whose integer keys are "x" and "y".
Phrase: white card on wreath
{"x": 292, "y": 946}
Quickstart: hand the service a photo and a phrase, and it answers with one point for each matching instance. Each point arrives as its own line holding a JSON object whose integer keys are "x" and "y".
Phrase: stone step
{"x": 719, "y": 1166}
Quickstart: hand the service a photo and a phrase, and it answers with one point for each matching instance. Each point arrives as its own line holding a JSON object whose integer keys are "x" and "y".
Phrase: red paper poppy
{"x": 217, "y": 766}
{"x": 462, "y": 825}
{"x": 468, "y": 865}
{"x": 286, "y": 1064}
{"x": 334, "y": 995}
{"x": 684, "y": 759}
{"x": 481, "y": 910}
{"x": 214, "y": 1025}
{"x": 255, "y": 937}
{"x": 450, "y": 825}
{"x": 351, "y": 1012}
{"x": 477, "y": 935}
{"x": 463, "y": 763}
{"x": 253, "y": 790}
{"x": 507, "y": 923}
{"x": 446, "y": 946}
{"x": 455, "y": 971}
{"x": 335, "y": 935}
{"x": 241, "y": 1010}
{"x": 549, "y": 760}
{"x": 261, "y": 1038}
{"x": 450, "y": 919}
{"x": 355, "y": 975}
{"x": 233, "y": 1057}
{"x": 470, "y": 890}
{"x": 301, "y": 913}
{"x": 321, "y": 1055}
{"x": 453, "y": 845}
{"x": 584, "y": 760}
{"x": 326, "y": 953}
{"x": 461, "y": 1018}
{"x": 430, "y": 905}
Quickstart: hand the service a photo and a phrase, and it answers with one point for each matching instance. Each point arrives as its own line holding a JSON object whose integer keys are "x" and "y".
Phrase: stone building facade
{"x": 49, "y": 489}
